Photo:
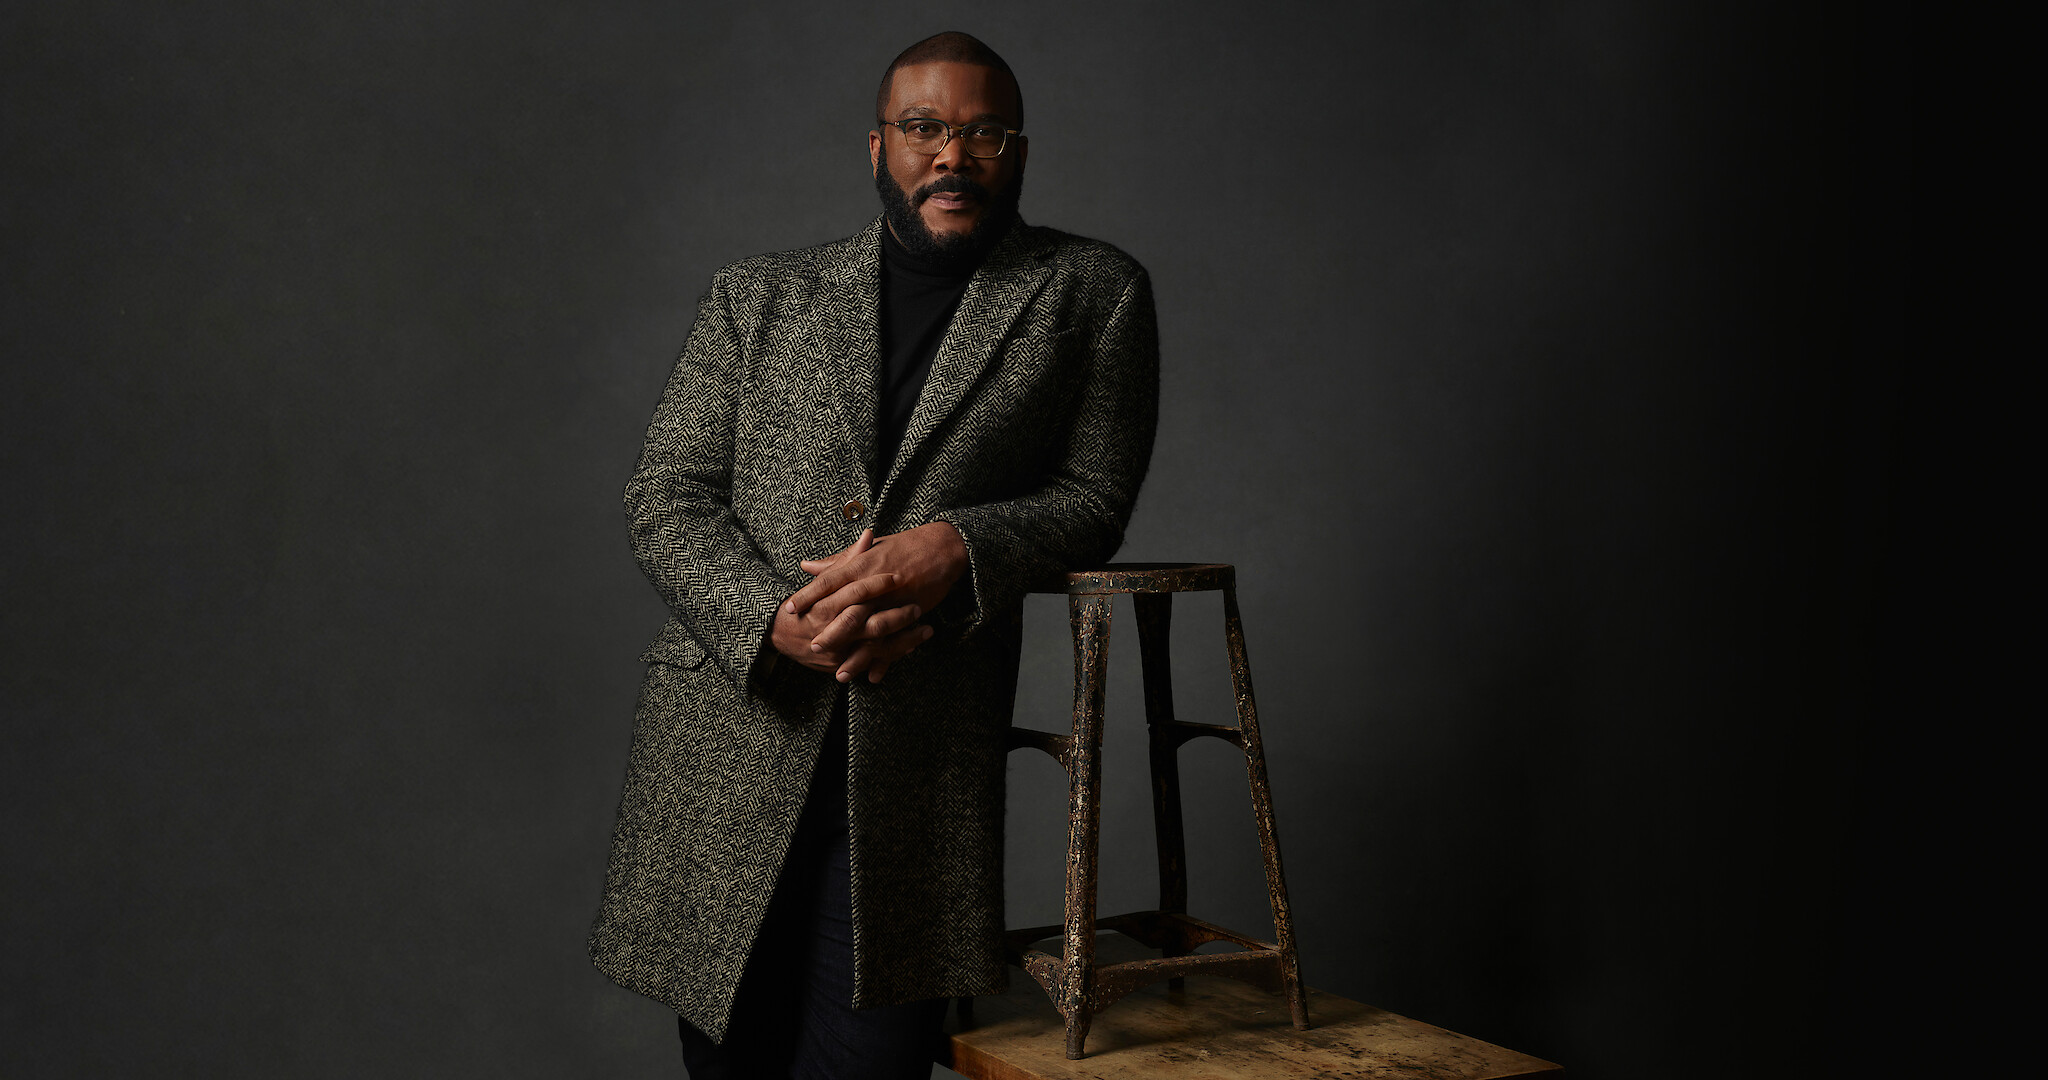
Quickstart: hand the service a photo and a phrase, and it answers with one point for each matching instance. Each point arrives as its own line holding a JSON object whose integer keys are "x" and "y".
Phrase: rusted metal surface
{"x": 1056, "y": 746}
{"x": 1149, "y": 578}
{"x": 1090, "y": 615}
{"x": 1175, "y": 934}
{"x": 1078, "y": 986}
{"x": 1262, "y": 807}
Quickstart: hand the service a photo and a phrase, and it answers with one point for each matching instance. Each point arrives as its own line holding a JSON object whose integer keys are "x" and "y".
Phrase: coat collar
{"x": 848, "y": 332}
{"x": 849, "y": 335}
{"x": 996, "y": 297}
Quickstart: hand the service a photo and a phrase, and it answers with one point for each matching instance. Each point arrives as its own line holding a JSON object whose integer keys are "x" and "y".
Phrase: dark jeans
{"x": 793, "y": 1016}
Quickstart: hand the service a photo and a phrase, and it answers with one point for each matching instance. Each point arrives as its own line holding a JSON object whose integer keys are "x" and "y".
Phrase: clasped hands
{"x": 861, "y": 611}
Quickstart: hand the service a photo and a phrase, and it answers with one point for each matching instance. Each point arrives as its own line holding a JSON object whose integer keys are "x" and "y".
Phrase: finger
{"x": 884, "y": 650}
{"x": 846, "y": 627}
{"x": 857, "y": 662}
{"x": 892, "y": 620}
{"x": 842, "y": 571}
{"x": 896, "y": 648}
{"x": 863, "y": 590}
{"x": 883, "y": 653}
{"x": 860, "y": 591}
{"x": 820, "y": 587}
{"x": 861, "y": 543}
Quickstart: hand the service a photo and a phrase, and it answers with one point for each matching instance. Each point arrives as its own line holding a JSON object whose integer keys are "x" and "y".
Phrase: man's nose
{"x": 953, "y": 156}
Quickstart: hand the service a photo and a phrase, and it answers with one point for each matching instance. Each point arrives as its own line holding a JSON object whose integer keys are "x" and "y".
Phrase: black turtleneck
{"x": 918, "y": 301}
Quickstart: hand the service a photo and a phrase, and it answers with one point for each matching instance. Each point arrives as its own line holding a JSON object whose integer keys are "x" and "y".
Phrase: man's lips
{"x": 952, "y": 193}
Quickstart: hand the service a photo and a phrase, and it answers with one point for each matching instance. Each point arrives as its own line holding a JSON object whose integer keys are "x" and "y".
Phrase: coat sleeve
{"x": 686, "y": 536}
{"x": 1077, "y": 517}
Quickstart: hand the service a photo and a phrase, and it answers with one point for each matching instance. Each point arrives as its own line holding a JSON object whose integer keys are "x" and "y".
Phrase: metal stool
{"x": 1078, "y": 986}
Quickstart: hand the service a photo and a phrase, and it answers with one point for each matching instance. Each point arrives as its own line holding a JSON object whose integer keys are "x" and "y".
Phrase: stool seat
{"x": 1148, "y": 578}
{"x": 1078, "y": 986}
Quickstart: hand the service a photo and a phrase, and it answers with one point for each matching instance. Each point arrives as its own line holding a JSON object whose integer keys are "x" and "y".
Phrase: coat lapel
{"x": 849, "y": 340}
{"x": 997, "y": 294}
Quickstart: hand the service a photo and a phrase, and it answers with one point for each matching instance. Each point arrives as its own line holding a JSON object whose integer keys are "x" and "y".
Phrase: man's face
{"x": 948, "y": 194}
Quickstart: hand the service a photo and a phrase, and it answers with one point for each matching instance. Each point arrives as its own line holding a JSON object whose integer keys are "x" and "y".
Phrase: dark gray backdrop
{"x": 1536, "y": 363}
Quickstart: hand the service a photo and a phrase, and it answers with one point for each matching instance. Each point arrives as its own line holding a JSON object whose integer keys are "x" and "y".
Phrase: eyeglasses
{"x": 928, "y": 136}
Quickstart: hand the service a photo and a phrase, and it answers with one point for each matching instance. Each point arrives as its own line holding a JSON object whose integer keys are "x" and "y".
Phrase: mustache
{"x": 959, "y": 184}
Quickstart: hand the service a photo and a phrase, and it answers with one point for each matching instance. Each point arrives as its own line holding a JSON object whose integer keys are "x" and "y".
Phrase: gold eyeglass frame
{"x": 951, "y": 131}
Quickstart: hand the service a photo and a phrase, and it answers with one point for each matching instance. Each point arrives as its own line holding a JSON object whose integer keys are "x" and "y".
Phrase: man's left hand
{"x": 926, "y": 561}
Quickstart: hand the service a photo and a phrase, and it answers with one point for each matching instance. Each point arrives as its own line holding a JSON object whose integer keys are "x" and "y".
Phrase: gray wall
{"x": 1537, "y": 363}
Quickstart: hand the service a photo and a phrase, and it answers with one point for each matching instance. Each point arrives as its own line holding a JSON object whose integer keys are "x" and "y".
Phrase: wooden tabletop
{"x": 1218, "y": 1029}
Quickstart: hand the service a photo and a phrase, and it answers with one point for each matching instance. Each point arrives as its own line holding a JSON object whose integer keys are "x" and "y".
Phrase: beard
{"x": 953, "y": 251}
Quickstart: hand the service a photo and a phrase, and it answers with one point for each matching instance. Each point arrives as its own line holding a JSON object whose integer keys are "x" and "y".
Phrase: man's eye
{"x": 984, "y": 131}
{"x": 925, "y": 129}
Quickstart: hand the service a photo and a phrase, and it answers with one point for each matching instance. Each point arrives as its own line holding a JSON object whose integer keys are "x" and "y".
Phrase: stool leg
{"x": 1262, "y": 809}
{"x": 1089, "y": 614}
{"x": 1155, "y": 638}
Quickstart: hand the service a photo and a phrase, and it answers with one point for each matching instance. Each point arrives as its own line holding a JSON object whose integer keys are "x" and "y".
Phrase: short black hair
{"x": 951, "y": 47}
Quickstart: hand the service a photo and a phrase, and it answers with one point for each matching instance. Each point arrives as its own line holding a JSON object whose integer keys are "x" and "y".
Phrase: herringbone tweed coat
{"x": 1031, "y": 438}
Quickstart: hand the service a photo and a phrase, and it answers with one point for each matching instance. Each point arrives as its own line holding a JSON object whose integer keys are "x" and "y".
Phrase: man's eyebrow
{"x": 910, "y": 111}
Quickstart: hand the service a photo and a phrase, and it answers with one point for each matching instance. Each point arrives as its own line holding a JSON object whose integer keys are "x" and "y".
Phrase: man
{"x": 867, "y": 454}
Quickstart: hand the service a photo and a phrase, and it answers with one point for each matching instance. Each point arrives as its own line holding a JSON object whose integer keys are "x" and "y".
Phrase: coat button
{"x": 852, "y": 510}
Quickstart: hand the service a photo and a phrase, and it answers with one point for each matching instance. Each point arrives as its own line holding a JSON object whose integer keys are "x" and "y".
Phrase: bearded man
{"x": 867, "y": 453}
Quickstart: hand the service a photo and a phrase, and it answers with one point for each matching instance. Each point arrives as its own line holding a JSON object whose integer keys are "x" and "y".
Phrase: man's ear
{"x": 874, "y": 151}
{"x": 1023, "y": 149}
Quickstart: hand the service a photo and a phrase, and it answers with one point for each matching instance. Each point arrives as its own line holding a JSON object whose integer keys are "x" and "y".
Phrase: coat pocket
{"x": 673, "y": 646}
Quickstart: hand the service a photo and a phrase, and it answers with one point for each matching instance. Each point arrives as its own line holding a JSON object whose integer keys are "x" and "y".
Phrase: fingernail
{"x": 815, "y": 647}
{"x": 844, "y": 677}
{"x": 928, "y": 632}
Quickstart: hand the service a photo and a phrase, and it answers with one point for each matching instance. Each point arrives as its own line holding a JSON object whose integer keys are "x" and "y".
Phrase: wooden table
{"x": 1218, "y": 1029}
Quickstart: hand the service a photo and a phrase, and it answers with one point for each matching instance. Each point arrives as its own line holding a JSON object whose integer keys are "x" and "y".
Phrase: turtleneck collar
{"x": 902, "y": 259}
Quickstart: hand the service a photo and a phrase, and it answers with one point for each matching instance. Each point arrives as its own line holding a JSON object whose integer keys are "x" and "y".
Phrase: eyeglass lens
{"x": 929, "y": 137}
